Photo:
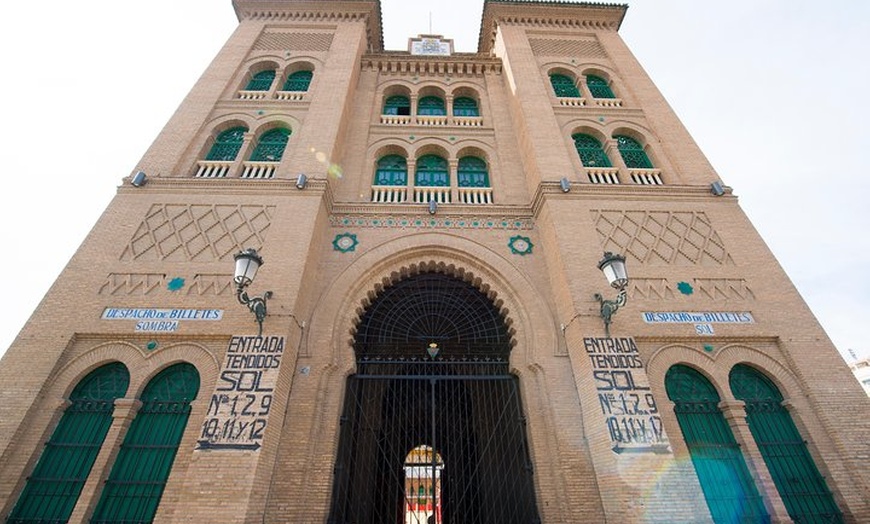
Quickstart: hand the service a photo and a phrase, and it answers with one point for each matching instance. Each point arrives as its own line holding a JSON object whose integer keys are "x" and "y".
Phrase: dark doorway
{"x": 433, "y": 428}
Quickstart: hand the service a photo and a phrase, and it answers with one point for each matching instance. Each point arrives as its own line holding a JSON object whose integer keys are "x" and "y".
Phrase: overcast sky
{"x": 772, "y": 90}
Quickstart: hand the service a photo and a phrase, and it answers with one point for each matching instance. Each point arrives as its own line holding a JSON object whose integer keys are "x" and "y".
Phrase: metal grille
{"x": 728, "y": 488}
{"x": 262, "y": 81}
{"x": 590, "y": 151}
{"x": 227, "y": 145}
{"x": 564, "y": 86}
{"x": 298, "y": 81}
{"x": 800, "y": 485}
{"x": 271, "y": 146}
{"x": 632, "y": 153}
{"x": 599, "y": 87}
{"x": 432, "y": 438}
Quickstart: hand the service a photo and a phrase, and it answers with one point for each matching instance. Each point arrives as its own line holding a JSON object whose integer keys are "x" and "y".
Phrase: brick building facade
{"x": 433, "y": 346}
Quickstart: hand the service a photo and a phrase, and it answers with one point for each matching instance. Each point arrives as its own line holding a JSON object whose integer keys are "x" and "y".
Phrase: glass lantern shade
{"x": 247, "y": 264}
{"x": 613, "y": 267}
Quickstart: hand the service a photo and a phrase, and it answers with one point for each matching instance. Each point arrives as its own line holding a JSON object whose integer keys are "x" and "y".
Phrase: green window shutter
{"x": 465, "y": 106}
{"x": 728, "y": 488}
{"x": 599, "y": 87}
{"x": 52, "y": 490}
{"x": 590, "y": 151}
{"x": 431, "y": 105}
{"x": 270, "y": 147}
{"x": 392, "y": 171}
{"x": 262, "y": 81}
{"x": 564, "y": 86}
{"x": 397, "y": 105}
{"x": 632, "y": 153}
{"x": 227, "y": 144}
{"x": 298, "y": 81}
{"x": 132, "y": 492}
{"x": 432, "y": 171}
{"x": 800, "y": 485}
{"x": 472, "y": 172}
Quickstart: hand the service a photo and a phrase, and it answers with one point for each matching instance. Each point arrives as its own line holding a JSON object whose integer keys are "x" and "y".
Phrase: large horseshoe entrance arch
{"x": 432, "y": 428}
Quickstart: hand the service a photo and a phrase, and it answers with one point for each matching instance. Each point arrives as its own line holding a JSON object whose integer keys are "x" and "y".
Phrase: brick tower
{"x": 442, "y": 329}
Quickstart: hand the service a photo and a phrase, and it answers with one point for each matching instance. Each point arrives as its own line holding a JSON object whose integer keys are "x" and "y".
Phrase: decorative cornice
{"x": 552, "y": 14}
{"x": 227, "y": 185}
{"x": 459, "y": 64}
{"x": 368, "y": 11}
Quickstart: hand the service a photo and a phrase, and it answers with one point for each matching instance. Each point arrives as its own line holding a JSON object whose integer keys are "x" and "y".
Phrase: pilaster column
{"x": 244, "y": 152}
{"x": 453, "y": 179}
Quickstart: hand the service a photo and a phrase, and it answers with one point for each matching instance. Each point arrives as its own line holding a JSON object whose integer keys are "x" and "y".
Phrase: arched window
{"x": 397, "y": 105}
{"x": 298, "y": 81}
{"x": 392, "y": 171}
{"x": 262, "y": 81}
{"x": 632, "y": 153}
{"x": 564, "y": 86}
{"x": 227, "y": 144}
{"x": 800, "y": 485}
{"x": 135, "y": 485}
{"x": 590, "y": 151}
{"x": 431, "y": 106}
{"x": 465, "y": 106}
{"x": 725, "y": 480}
{"x": 53, "y": 488}
{"x": 599, "y": 87}
{"x": 432, "y": 171}
{"x": 472, "y": 172}
{"x": 270, "y": 147}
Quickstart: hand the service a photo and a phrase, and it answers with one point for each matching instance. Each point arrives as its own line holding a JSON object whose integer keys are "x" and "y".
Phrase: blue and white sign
{"x": 701, "y": 317}
{"x": 158, "y": 320}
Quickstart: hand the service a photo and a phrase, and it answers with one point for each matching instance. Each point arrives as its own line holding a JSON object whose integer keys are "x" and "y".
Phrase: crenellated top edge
{"x": 554, "y": 13}
{"x": 367, "y": 11}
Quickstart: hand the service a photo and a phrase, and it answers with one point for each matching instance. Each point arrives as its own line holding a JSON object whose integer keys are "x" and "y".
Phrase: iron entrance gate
{"x": 433, "y": 441}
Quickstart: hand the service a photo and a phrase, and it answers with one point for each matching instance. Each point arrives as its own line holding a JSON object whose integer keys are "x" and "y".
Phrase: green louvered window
{"x": 590, "y": 151}
{"x": 431, "y": 171}
{"x": 270, "y": 147}
{"x": 227, "y": 144}
{"x": 472, "y": 172}
{"x": 802, "y": 488}
{"x": 465, "y": 106}
{"x": 392, "y": 171}
{"x": 262, "y": 81}
{"x": 298, "y": 81}
{"x": 728, "y": 488}
{"x": 52, "y": 490}
{"x": 564, "y": 86}
{"x": 431, "y": 106}
{"x": 632, "y": 153}
{"x": 599, "y": 87}
{"x": 397, "y": 105}
{"x": 132, "y": 492}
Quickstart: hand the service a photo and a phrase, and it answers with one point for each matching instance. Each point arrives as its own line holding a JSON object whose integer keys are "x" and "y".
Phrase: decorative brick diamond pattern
{"x": 587, "y": 48}
{"x": 651, "y": 289}
{"x": 661, "y": 237}
{"x": 132, "y": 283}
{"x": 735, "y": 289}
{"x": 211, "y": 284}
{"x": 186, "y": 233}
{"x": 294, "y": 42}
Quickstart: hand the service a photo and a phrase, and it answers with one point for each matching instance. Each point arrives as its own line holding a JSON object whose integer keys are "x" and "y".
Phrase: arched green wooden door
{"x": 53, "y": 488}
{"x": 728, "y": 488}
{"x": 800, "y": 485}
{"x": 136, "y": 483}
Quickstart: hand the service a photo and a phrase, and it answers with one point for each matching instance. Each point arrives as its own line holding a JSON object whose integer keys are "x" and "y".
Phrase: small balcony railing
{"x": 468, "y": 121}
{"x": 608, "y": 102}
{"x": 646, "y": 177}
{"x": 389, "y": 194}
{"x": 440, "y": 194}
{"x": 290, "y": 96}
{"x": 572, "y": 101}
{"x": 259, "y": 169}
{"x": 603, "y": 175}
{"x": 475, "y": 195}
{"x": 253, "y": 95}
{"x": 432, "y": 120}
{"x": 393, "y": 120}
{"x": 213, "y": 168}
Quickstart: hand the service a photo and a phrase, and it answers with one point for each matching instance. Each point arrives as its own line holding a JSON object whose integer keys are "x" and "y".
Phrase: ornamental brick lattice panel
{"x": 661, "y": 237}
{"x": 587, "y": 48}
{"x": 294, "y": 41}
{"x": 724, "y": 288}
{"x": 132, "y": 283}
{"x": 211, "y": 284}
{"x": 180, "y": 232}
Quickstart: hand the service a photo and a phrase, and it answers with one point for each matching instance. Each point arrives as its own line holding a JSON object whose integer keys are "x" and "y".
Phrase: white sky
{"x": 775, "y": 97}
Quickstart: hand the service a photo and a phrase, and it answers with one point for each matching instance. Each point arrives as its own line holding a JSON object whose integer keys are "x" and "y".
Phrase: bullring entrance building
{"x": 493, "y": 287}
